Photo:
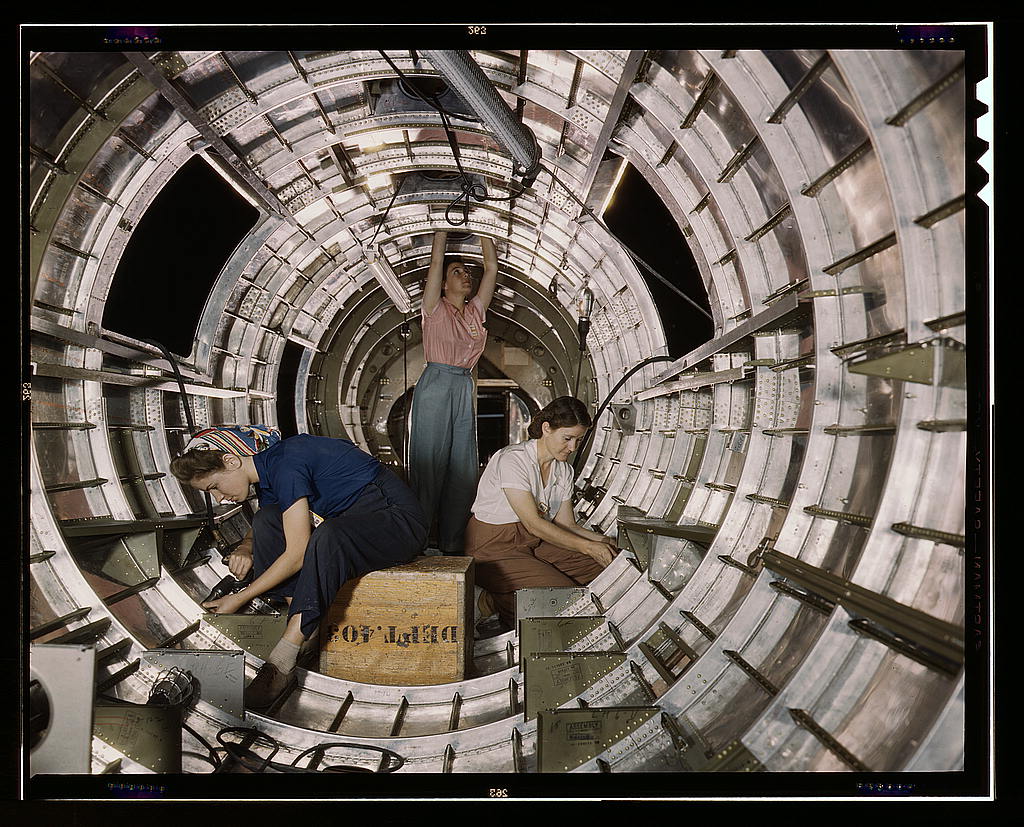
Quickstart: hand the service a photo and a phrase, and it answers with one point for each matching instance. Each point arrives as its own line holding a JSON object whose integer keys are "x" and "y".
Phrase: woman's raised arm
{"x": 487, "y": 282}
{"x": 435, "y": 275}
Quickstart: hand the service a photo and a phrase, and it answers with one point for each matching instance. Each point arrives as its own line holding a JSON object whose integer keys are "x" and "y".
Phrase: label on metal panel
{"x": 567, "y": 738}
{"x": 256, "y": 634}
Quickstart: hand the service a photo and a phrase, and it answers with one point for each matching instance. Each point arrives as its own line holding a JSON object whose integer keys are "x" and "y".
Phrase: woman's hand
{"x": 229, "y": 604}
{"x": 602, "y": 552}
{"x": 240, "y": 560}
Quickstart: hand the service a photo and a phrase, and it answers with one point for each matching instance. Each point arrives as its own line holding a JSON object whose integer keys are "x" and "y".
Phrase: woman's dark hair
{"x": 197, "y": 463}
{"x": 450, "y": 259}
{"x": 564, "y": 412}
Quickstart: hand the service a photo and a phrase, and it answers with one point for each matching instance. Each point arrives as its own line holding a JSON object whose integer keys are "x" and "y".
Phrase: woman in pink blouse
{"x": 443, "y": 461}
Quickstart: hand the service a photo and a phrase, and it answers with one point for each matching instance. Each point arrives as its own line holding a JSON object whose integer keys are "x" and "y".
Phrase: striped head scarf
{"x": 240, "y": 440}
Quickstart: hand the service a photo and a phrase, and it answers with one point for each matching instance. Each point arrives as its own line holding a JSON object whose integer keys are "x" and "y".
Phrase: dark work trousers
{"x": 384, "y": 527}
{"x": 508, "y": 557}
{"x": 443, "y": 464}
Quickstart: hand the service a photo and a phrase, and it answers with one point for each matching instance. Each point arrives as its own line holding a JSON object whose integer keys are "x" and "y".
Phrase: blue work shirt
{"x": 329, "y": 472}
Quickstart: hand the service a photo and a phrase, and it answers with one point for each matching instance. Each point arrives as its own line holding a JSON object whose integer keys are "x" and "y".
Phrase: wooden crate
{"x": 407, "y": 625}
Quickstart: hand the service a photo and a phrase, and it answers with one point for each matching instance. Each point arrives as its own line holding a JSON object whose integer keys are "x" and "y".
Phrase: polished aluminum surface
{"x": 794, "y": 452}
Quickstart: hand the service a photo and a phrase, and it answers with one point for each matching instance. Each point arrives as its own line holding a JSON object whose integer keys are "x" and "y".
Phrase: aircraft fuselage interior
{"x": 751, "y": 265}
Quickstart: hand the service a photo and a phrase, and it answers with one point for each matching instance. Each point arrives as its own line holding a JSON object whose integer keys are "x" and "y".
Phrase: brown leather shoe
{"x": 268, "y": 685}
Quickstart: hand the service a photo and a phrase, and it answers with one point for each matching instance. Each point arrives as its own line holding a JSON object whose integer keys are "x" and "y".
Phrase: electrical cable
{"x": 604, "y": 404}
{"x": 579, "y": 371}
{"x": 241, "y": 759}
{"x": 469, "y": 188}
{"x": 212, "y": 758}
{"x": 351, "y": 767}
{"x": 190, "y": 421}
{"x": 384, "y": 217}
{"x": 394, "y": 760}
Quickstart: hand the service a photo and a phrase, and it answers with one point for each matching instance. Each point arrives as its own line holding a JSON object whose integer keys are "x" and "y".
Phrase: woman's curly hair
{"x": 564, "y": 412}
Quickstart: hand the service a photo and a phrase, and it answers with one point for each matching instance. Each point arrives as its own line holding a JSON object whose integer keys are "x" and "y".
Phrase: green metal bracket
{"x": 696, "y": 754}
{"x": 256, "y": 634}
{"x": 568, "y": 738}
{"x": 131, "y": 551}
{"x": 639, "y": 544}
{"x": 941, "y": 361}
{"x": 694, "y": 751}
{"x": 150, "y": 735}
{"x": 129, "y": 559}
{"x": 550, "y": 679}
{"x": 554, "y": 634}
{"x": 702, "y": 534}
{"x": 178, "y": 544}
{"x": 547, "y": 602}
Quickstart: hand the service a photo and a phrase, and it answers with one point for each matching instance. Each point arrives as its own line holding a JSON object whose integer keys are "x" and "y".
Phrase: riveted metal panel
{"x": 552, "y": 678}
{"x": 567, "y": 738}
{"x": 150, "y": 735}
{"x": 66, "y": 678}
{"x": 547, "y": 602}
{"x": 218, "y": 675}
{"x": 554, "y": 634}
{"x": 256, "y": 634}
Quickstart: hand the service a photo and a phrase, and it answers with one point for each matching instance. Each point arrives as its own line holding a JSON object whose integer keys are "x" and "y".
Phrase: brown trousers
{"x": 508, "y": 557}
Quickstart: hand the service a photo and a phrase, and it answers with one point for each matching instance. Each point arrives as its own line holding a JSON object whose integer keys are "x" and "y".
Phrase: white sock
{"x": 284, "y": 655}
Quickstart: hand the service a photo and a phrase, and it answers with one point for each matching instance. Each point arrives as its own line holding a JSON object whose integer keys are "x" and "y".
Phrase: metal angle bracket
{"x": 128, "y": 559}
{"x": 551, "y": 679}
{"x": 698, "y": 533}
{"x": 555, "y": 634}
{"x": 547, "y": 602}
{"x": 941, "y": 361}
{"x": 568, "y": 738}
{"x": 639, "y": 544}
{"x": 256, "y": 634}
{"x": 177, "y": 544}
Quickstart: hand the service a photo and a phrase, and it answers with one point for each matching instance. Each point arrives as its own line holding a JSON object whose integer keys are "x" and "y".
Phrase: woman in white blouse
{"x": 523, "y": 532}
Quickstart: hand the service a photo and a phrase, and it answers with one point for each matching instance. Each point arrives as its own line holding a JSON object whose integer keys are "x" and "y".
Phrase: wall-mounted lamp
{"x": 381, "y": 269}
{"x": 584, "y": 301}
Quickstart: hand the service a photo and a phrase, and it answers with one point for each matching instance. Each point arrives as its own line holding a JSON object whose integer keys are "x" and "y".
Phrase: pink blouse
{"x": 454, "y": 340}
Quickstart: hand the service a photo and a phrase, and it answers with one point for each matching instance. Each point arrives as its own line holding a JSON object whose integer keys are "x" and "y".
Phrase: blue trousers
{"x": 384, "y": 527}
{"x": 443, "y": 464}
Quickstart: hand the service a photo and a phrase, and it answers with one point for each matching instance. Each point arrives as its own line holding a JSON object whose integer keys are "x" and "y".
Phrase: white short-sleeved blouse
{"x": 517, "y": 467}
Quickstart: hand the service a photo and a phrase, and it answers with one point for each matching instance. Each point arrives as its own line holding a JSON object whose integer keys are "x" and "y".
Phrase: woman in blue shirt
{"x": 328, "y": 513}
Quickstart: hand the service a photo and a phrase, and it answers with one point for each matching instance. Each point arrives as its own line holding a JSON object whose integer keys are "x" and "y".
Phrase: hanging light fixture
{"x": 381, "y": 269}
